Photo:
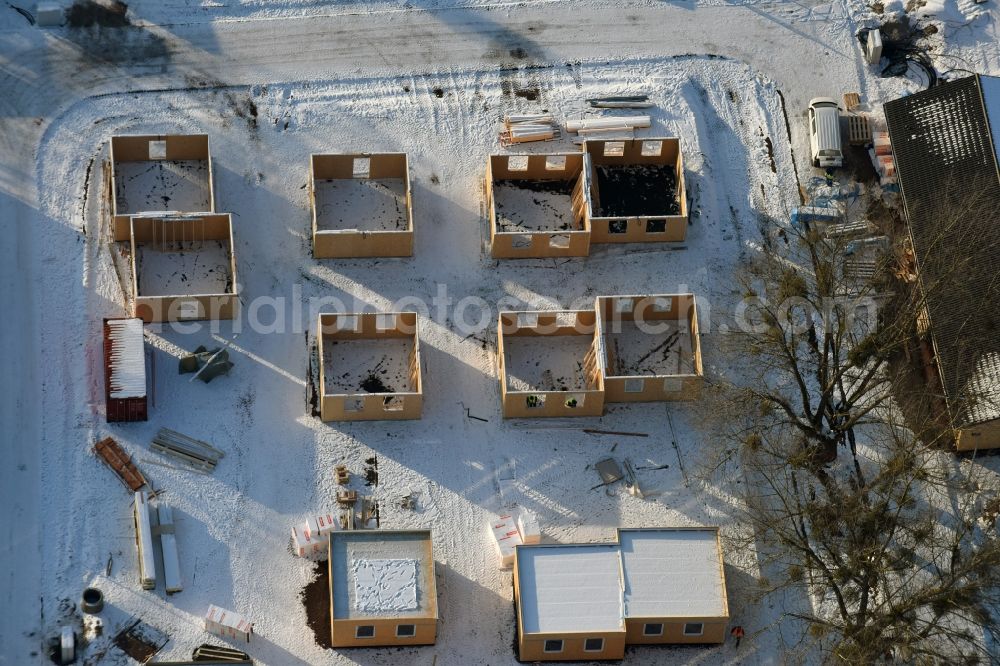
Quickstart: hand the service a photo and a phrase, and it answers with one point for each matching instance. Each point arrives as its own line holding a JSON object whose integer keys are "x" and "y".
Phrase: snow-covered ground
{"x": 272, "y": 83}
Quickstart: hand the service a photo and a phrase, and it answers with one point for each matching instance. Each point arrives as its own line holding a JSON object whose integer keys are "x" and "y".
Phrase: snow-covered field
{"x": 272, "y": 83}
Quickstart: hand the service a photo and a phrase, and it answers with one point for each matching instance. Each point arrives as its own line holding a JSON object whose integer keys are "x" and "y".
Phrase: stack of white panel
{"x": 507, "y": 538}
{"x": 144, "y": 540}
{"x": 528, "y": 527}
{"x": 168, "y": 547}
{"x": 227, "y": 624}
{"x": 308, "y": 540}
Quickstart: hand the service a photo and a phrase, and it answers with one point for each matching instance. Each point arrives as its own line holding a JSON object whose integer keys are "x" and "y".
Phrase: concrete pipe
{"x": 92, "y": 600}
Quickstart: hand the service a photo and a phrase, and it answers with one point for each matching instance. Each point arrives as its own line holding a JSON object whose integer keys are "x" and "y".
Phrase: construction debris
{"x": 526, "y": 128}
{"x": 206, "y": 652}
{"x": 140, "y": 641}
{"x": 92, "y": 600}
{"x": 621, "y": 102}
{"x": 193, "y": 453}
{"x": 120, "y": 463}
{"x": 632, "y": 481}
{"x": 619, "y": 433}
{"x": 609, "y": 470}
{"x": 343, "y": 476}
{"x": 207, "y": 364}
{"x": 347, "y": 498}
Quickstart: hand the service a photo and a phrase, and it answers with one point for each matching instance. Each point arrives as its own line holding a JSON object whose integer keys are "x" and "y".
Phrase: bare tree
{"x": 894, "y": 544}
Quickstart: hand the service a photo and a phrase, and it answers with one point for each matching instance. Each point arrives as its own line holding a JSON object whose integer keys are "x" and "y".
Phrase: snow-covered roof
{"x": 382, "y": 574}
{"x": 672, "y": 572}
{"x": 570, "y": 588}
{"x": 127, "y": 365}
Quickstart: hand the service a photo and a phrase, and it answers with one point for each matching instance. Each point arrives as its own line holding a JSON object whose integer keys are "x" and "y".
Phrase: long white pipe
{"x": 610, "y": 122}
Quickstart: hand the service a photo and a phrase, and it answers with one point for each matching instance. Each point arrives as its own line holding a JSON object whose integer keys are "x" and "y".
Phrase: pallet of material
{"x": 859, "y": 129}
{"x": 120, "y": 463}
{"x": 196, "y": 454}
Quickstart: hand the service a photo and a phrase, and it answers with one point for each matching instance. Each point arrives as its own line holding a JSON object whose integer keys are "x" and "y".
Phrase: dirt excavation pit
{"x": 180, "y": 185}
{"x": 361, "y": 204}
{"x": 368, "y": 366}
{"x": 547, "y": 364}
{"x": 637, "y": 190}
{"x": 534, "y": 205}
{"x": 316, "y": 600}
{"x": 636, "y": 352}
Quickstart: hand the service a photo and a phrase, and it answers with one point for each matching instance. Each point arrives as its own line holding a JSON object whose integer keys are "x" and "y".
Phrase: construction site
{"x": 368, "y": 332}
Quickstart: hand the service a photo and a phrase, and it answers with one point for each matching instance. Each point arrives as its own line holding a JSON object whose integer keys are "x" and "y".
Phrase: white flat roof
{"x": 570, "y": 588}
{"x": 670, "y": 573}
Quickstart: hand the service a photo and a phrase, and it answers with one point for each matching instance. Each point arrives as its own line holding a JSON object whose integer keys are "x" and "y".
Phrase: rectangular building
{"x": 383, "y": 590}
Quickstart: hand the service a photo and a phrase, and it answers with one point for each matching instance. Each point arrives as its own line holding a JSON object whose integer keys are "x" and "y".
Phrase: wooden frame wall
{"x": 553, "y": 403}
{"x": 373, "y": 406}
{"x": 511, "y": 244}
{"x": 343, "y": 243}
{"x": 648, "y": 308}
{"x": 675, "y": 226}
{"x": 183, "y": 307}
{"x": 343, "y": 630}
{"x": 136, "y": 148}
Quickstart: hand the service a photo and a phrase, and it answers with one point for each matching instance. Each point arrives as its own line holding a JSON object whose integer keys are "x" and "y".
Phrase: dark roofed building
{"x": 945, "y": 141}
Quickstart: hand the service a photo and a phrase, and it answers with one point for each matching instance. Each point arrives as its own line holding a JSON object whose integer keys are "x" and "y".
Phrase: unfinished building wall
{"x": 167, "y": 172}
{"x": 584, "y": 399}
{"x": 637, "y": 191}
{"x": 346, "y": 403}
{"x": 538, "y": 205}
{"x": 162, "y": 295}
{"x": 362, "y": 205}
{"x": 651, "y": 347}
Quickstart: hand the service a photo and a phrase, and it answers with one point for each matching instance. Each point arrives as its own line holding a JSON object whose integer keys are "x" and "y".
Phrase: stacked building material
{"x": 528, "y": 527}
{"x": 227, "y": 624}
{"x": 120, "y": 463}
{"x": 168, "y": 548}
{"x": 527, "y": 128}
{"x": 507, "y": 538}
{"x": 308, "y": 539}
{"x": 608, "y": 123}
{"x": 195, "y": 454}
{"x": 144, "y": 540}
{"x": 882, "y": 156}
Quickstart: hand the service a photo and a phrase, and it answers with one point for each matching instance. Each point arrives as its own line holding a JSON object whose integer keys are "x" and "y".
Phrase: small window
{"x": 349, "y": 323}
{"x": 555, "y": 163}
{"x": 520, "y": 241}
{"x": 385, "y": 322}
{"x": 593, "y": 645}
{"x": 553, "y": 645}
{"x": 652, "y": 148}
{"x": 406, "y": 630}
{"x": 517, "y": 163}
{"x": 623, "y": 305}
{"x": 662, "y": 304}
{"x": 694, "y": 629}
{"x": 392, "y": 403}
{"x": 189, "y": 310}
{"x": 527, "y": 319}
{"x": 617, "y": 226}
{"x": 157, "y": 150}
{"x": 362, "y": 167}
{"x": 656, "y": 226}
{"x": 354, "y": 405}
{"x": 614, "y": 148}
{"x": 559, "y": 241}
{"x": 653, "y": 629}
{"x": 364, "y": 631}
{"x": 575, "y": 400}
{"x": 534, "y": 401}
{"x": 634, "y": 385}
{"x": 673, "y": 385}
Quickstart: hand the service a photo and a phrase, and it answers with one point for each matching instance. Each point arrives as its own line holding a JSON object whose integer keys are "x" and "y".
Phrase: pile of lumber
{"x": 193, "y": 453}
{"x": 120, "y": 463}
{"x": 528, "y": 127}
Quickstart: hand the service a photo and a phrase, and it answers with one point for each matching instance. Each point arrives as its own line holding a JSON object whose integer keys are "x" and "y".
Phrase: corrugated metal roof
{"x": 946, "y": 162}
{"x": 128, "y": 359}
